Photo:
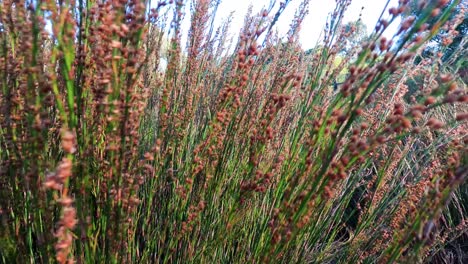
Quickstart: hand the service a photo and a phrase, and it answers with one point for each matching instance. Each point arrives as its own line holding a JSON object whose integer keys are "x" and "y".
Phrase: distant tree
{"x": 453, "y": 47}
{"x": 357, "y": 34}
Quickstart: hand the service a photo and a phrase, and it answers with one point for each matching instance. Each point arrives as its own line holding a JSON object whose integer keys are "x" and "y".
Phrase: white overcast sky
{"x": 313, "y": 24}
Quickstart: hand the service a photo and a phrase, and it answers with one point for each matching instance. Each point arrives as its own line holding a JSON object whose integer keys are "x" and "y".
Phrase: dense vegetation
{"x": 119, "y": 145}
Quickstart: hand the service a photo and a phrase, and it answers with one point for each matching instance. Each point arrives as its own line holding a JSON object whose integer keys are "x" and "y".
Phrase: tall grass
{"x": 240, "y": 155}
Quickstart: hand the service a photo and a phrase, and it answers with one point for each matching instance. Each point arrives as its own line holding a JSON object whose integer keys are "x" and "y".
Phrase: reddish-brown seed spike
{"x": 66, "y": 201}
{"x": 406, "y": 123}
{"x": 342, "y": 118}
{"x": 463, "y": 98}
{"x": 68, "y": 142}
{"x": 418, "y": 107}
{"x": 418, "y": 39}
{"x": 344, "y": 160}
{"x": 384, "y": 23}
{"x": 452, "y": 87}
{"x": 445, "y": 78}
{"x": 398, "y": 111}
{"x": 188, "y": 181}
{"x": 380, "y": 139}
{"x": 450, "y": 98}
{"x": 430, "y": 100}
{"x": 416, "y": 130}
{"x": 401, "y": 9}
{"x": 462, "y": 116}
{"x": 442, "y": 3}
{"x": 434, "y": 123}
{"x": 383, "y": 43}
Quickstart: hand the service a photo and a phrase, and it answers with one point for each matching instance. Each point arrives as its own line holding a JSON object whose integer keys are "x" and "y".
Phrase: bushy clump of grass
{"x": 225, "y": 157}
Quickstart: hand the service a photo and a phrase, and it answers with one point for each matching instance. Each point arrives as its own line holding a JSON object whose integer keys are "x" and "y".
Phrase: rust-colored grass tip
{"x": 68, "y": 142}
